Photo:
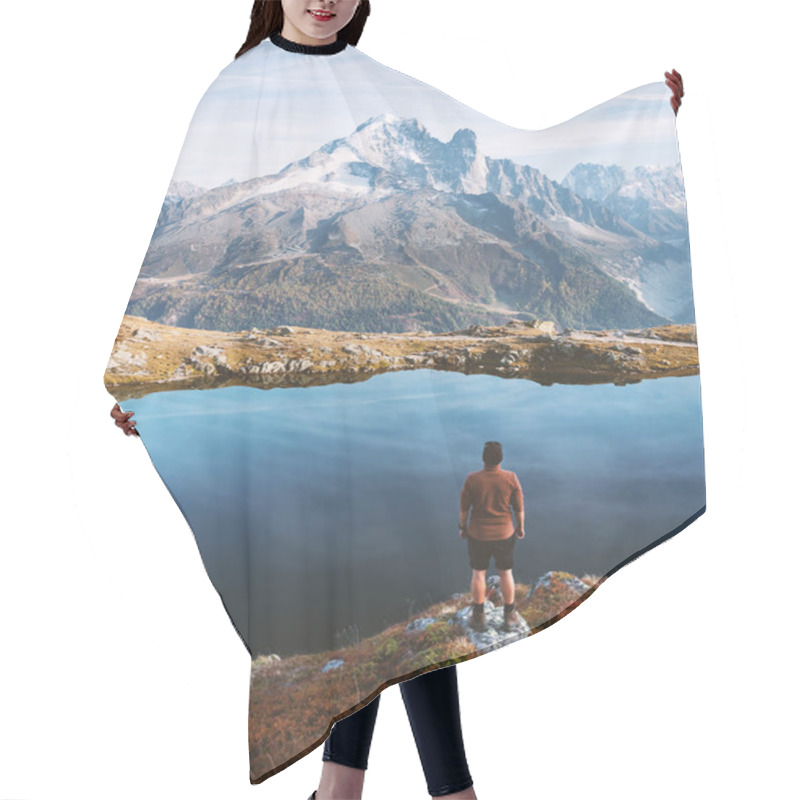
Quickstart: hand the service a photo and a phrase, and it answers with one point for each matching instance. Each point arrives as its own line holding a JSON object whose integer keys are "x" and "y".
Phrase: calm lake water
{"x": 339, "y": 503}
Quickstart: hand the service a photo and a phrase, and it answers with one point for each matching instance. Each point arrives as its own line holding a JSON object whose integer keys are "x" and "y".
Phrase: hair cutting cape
{"x": 354, "y": 284}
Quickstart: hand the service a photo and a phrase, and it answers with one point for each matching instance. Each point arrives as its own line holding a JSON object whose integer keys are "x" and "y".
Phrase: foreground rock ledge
{"x": 150, "y": 357}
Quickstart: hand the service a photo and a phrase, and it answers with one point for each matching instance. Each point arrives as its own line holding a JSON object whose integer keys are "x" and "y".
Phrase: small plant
{"x": 387, "y": 649}
{"x": 349, "y": 637}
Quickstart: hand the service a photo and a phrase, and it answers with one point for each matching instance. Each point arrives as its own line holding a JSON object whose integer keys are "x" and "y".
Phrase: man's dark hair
{"x": 492, "y": 453}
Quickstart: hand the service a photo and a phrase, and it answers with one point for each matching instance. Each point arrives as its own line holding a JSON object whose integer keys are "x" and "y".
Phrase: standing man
{"x": 491, "y": 493}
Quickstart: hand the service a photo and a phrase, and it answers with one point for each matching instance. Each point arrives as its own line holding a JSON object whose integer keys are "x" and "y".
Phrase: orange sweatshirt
{"x": 489, "y": 492}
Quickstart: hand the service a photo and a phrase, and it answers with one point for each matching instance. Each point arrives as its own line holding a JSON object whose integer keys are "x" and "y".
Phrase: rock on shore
{"x": 149, "y": 356}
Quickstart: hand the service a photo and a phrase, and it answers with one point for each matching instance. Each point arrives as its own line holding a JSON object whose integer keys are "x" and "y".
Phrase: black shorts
{"x": 480, "y": 551}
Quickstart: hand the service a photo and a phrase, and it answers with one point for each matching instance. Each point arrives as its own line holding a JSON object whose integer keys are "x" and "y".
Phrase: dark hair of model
{"x": 266, "y": 18}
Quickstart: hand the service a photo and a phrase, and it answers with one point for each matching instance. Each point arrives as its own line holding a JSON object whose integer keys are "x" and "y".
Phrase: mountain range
{"x": 391, "y": 229}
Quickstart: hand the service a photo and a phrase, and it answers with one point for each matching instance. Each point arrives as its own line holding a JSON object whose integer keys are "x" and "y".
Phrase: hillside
{"x": 293, "y": 694}
{"x": 149, "y": 356}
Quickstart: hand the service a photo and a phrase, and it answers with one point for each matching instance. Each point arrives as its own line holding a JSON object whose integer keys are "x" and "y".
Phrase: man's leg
{"x": 507, "y": 585}
{"x": 504, "y": 558}
{"x": 478, "y": 585}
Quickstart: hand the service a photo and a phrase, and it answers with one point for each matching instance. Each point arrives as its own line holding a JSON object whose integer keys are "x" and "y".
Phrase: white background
{"x": 122, "y": 677}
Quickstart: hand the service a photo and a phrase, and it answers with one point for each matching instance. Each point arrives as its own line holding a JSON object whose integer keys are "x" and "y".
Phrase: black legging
{"x": 432, "y": 706}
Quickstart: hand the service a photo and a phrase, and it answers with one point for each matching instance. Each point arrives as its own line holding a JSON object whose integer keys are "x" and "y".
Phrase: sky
{"x": 240, "y": 128}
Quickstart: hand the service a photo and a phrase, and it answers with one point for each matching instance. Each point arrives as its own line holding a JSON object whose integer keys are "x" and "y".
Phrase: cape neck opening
{"x": 309, "y": 49}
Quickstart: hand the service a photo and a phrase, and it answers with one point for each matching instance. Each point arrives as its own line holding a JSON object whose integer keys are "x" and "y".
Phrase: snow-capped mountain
{"x": 652, "y": 200}
{"x": 391, "y": 228}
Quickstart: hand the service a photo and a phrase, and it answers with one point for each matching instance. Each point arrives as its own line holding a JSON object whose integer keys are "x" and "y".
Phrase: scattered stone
{"x": 420, "y": 624}
{"x": 146, "y": 335}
